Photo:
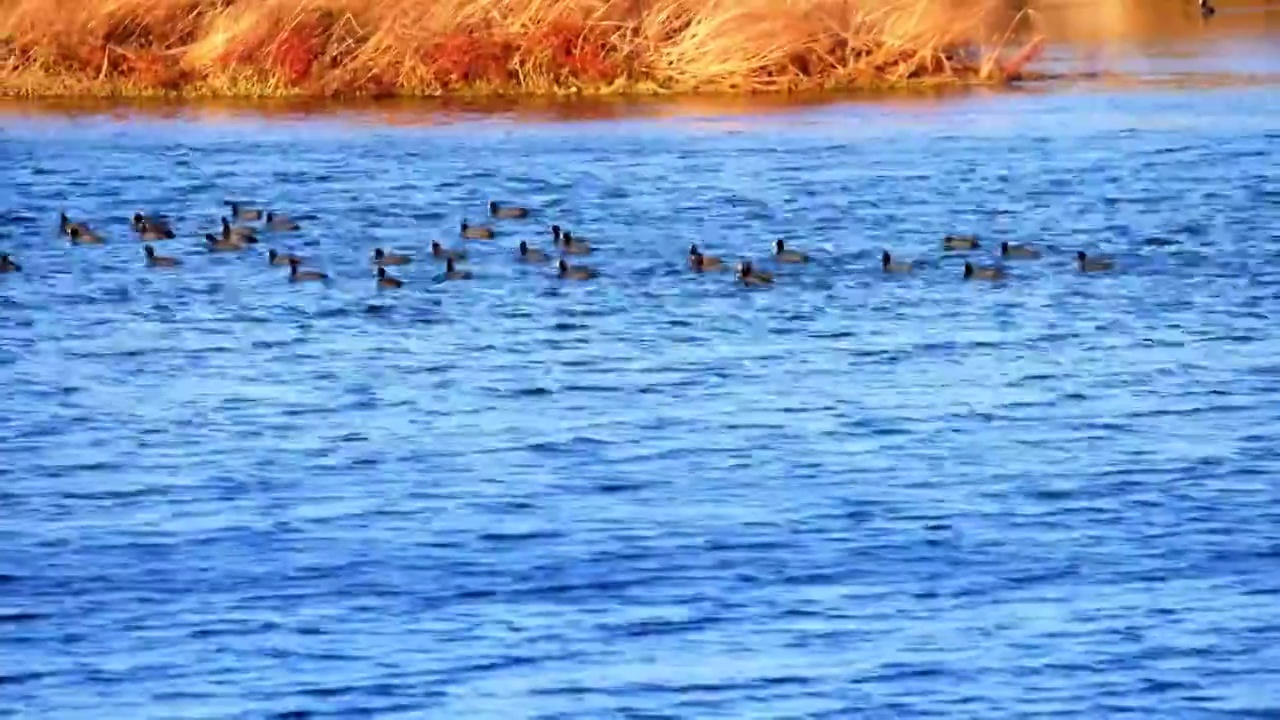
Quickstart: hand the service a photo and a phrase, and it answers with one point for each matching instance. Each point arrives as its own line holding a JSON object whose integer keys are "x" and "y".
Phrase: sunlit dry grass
{"x": 442, "y": 47}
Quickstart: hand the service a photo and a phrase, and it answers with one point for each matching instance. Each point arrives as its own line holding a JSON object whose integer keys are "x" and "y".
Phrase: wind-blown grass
{"x": 267, "y": 48}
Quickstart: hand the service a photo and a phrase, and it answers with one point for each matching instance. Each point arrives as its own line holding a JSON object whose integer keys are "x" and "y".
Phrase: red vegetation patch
{"x": 468, "y": 58}
{"x": 154, "y": 69}
{"x": 572, "y": 50}
{"x": 296, "y": 51}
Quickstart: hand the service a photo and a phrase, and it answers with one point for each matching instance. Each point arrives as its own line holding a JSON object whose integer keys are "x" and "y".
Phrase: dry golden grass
{"x": 264, "y": 48}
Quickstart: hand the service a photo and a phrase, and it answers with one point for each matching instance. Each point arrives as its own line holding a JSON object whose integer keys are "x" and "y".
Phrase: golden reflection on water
{"x": 438, "y": 111}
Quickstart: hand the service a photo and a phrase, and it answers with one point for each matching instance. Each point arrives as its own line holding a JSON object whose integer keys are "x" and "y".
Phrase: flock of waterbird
{"x": 241, "y": 231}
{"x": 237, "y": 236}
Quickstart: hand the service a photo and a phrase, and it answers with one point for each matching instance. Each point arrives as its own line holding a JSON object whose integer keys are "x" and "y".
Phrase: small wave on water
{"x": 654, "y": 493}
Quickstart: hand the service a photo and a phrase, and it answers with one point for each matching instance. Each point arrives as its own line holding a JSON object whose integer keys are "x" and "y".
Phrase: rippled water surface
{"x": 654, "y": 494}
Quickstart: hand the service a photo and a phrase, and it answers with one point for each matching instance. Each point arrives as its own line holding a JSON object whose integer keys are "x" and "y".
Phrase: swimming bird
{"x": 296, "y": 275}
{"x": 241, "y": 234}
{"x": 443, "y": 253}
{"x": 531, "y": 255}
{"x": 960, "y": 242}
{"x": 574, "y": 272}
{"x": 1088, "y": 264}
{"x": 981, "y": 273}
{"x": 476, "y": 232}
{"x": 386, "y": 281}
{"x": 81, "y": 235}
{"x": 278, "y": 258}
{"x": 385, "y": 258}
{"x": 154, "y": 260}
{"x": 782, "y": 254}
{"x": 888, "y": 265}
{"x": 7, "y": 265}
{"x": 558, "y": 236}
{"x": 239, "y": 211}
{"x": 451, "y": 271}
{"x": 702, "y": 263}
{"x": 511, "y": 211}
{"x": 217, "y": 244}
{"x": 753, "y": 277}
{"x": 65, "y": 226}
{"x": 1025, "y": 252}
{"x": 281, "y": 223}
{"x": 151, "y": 233}
{"x": 571, "y": 245}
{"x": 151, "y": 227}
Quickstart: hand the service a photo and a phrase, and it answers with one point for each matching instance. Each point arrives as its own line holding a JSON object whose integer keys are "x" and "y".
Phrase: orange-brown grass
{"x": 443, "y": 47}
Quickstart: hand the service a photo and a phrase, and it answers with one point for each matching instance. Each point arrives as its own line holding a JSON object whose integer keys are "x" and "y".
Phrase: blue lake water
{"x": 654, "y": 494}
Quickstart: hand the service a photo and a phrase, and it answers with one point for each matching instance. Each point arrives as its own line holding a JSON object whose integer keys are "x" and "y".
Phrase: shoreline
{"x": 490, "y": 103}
{"x": 414, "y": 109}
{"x": 409, "y": 111}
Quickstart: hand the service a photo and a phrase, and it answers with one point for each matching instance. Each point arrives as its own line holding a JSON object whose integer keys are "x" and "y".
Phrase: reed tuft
{"x": 270, "y": 48}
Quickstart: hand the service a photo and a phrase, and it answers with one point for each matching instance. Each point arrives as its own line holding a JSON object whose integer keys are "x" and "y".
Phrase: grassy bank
{"x": 266, "y": 48}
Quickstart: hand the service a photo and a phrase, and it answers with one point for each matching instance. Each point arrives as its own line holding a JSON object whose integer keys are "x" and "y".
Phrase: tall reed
{"x": 440, "y": 47}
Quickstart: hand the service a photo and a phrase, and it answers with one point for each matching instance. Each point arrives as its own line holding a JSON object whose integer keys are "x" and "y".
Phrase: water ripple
{"x": 653, "y": 495}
